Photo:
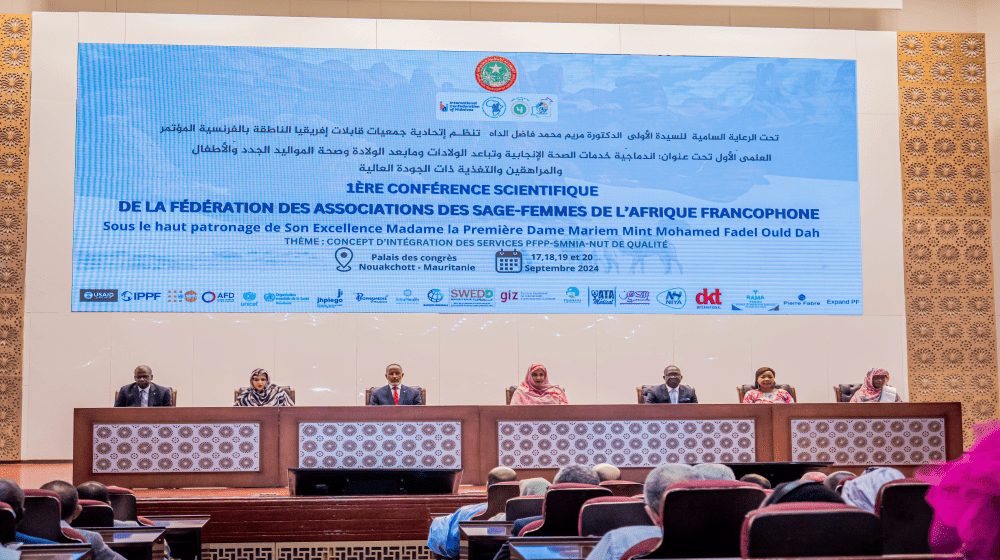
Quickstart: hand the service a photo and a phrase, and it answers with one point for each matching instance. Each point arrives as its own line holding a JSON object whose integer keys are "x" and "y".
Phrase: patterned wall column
{"x": 15, "y": 84}
{"x": 948, "y": 254}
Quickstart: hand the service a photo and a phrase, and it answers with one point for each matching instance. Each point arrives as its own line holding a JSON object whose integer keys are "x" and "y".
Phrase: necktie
{"x": 673, "y": 396}
{"x": 395, "y": 394}
{"x": 145, "y": 397}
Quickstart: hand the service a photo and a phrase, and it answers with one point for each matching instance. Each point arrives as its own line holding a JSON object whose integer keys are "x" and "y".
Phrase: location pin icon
{"x": 344, "y": 256}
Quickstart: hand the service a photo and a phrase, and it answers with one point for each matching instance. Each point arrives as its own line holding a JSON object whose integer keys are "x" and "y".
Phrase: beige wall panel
{"x": 102, "y": 27}
{"x": 722, "y": 41}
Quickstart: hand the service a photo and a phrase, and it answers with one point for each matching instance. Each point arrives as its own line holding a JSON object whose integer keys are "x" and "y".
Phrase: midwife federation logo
{"x": 496, "y": 73}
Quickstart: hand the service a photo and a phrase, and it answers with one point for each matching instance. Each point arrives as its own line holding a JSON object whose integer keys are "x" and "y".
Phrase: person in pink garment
{"x": 536, "y": 389}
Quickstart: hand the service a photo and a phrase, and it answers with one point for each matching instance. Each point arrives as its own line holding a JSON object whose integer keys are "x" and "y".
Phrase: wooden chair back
{"x": 843, "y": 393}
{"x": 496, "y": 499}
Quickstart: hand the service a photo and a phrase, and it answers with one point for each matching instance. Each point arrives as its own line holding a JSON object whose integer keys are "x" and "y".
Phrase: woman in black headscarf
{"x": 262, "y": 393}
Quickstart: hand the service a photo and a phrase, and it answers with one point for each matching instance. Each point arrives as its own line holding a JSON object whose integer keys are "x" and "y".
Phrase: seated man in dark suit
{"x": 144, "y": 392}
{"x": 69, "y": 501}
{"x": 671, "y": 392}
{"x": 395, "y": 393}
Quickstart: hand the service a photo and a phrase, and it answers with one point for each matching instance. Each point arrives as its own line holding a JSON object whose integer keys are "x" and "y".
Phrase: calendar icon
{"x": 509, "y": 261}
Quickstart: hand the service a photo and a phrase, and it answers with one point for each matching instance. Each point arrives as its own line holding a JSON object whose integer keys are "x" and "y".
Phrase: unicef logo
{"x": 435, "y": 295}
{"x": 572, "y": 293}
{"x": 249, "y": 296}
{"x": 494, "y": 107}
{"x": 268, "y": 297}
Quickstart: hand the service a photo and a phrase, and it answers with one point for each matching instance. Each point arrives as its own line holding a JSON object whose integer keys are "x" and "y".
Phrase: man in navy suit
{"x": 144, "y": 392}
{"x": 395, "y": 393}
{"x": 671, "y": 392}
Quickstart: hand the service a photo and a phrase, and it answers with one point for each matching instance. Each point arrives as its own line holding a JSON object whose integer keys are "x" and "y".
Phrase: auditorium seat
{"x": 561, "y": 510}
{"x": 496, "y": 498}
{"x": 600, "y": 515}
{"x": 8, "y": 524}
{"x": 906, "y": 516}
{"x": 623, "y": 488}
{"x": 641, "y": 549}
{"x": 703, "y": 518}
{"x": 173, "y": 396}
{"x": 124, "y": 505}
{"x": 810, "y": 529}
{"x": 641, "y": 392}
{"x": 94, "y": 514}
{"x": 289, "y": 390}
{"x": 368, "y": 394}
{"x": 41, "y": 516}
{"x": 744, "y": 389}
{"x": 843, "y": 393}
{"x": 523, "y": 506}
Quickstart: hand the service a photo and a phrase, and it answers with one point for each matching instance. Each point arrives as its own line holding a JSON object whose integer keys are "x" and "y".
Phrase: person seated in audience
{"x": 714, "y": 471}
{"x": 99, "y": 492}
{"x": 813, "y": 475}
{"x": 262, "y": 392}
{"x": 757, "y": 479}
{"x": 443, "y": 537}
{"x": 834, "y": 479}
{"x": 965, "y": 495}
{"x": 671, "y": 392}
{"x": 575, "y": 474}
{"x": 395, "y": 393}
{"x": 607, "y": 472}
{"x": 70, "y": 508}
{"x": 144, "y": 392}
{"x": 614, "y": 543}
{"x": 536, "y": 389}
{"x": 861, "y": 492}
{"x": 764, "y": 390}
{"x": 876, "y": 388}
{"x": 12, "y": 495}
{"x": 801, "y": 491}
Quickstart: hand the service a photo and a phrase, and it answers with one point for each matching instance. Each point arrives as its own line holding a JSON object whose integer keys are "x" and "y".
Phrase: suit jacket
{"x": 158, "y": 396}
{"x": 407, "y": 395}
{"x": 660, "y": 394}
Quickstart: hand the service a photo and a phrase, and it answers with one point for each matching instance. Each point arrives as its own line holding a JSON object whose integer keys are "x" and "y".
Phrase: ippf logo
{"x": 706, "y": 298}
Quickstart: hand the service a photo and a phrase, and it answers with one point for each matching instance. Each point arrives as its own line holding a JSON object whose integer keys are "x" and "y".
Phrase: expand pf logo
{"x": 496, "y": 73}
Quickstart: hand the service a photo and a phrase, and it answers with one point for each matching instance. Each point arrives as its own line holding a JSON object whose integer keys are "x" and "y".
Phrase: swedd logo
{"x": 674, "y": 298}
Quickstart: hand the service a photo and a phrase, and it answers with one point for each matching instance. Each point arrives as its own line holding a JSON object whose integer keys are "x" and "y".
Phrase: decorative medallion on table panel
{"x": 625, "y": 443}
{"x": 15, "y": 98}
{"x": 869, "y": 441}
{"x": 948, "y": 249}
{"x": 151, "y": 448}
{"x": 391, "y": 550}
{"x": 380, "y": 445}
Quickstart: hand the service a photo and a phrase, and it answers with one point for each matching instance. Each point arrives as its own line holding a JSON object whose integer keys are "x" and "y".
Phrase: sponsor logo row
{"x": 673, "y": 298}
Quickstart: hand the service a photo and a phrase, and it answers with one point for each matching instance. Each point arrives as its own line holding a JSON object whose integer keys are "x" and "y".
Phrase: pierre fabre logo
{"x": 496, "y": 73}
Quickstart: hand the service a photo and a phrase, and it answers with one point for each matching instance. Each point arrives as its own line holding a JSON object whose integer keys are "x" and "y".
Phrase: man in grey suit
{"x": 144, "y": 392}
{"x": 395, "y": 393}
{"x": 671, "y": 392}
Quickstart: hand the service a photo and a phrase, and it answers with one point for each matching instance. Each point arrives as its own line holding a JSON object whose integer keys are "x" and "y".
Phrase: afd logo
{"x": 706, "y": 298}
{"x": 674, "y": 298}
{"x": 602, "y": 297}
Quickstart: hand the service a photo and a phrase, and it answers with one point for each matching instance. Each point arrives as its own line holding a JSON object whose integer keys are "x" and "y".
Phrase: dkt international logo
{"x": 496, "y": 73}
{"x": 674, "y": 298}
{"x": 704, "y": 299}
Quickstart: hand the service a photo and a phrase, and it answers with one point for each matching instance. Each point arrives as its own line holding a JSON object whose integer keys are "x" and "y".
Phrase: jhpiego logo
{"x": 704, "y": 298}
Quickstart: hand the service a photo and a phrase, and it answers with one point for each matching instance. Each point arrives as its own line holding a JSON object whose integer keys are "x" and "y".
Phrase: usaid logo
{"x": 602, "y": 297}
{"x": 674, "y": 298}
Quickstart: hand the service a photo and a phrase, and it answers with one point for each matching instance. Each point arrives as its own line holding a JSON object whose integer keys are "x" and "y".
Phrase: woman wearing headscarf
{"x": 764, "y": 390}
{"x": 862, "y": 491}
{"x": 262, "y": 393}
{"x": 536, "y": 389}
{"x": 876, "y": 388}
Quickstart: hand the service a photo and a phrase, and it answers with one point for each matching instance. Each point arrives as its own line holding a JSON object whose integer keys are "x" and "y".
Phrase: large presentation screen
{"x": 241, "y": 179}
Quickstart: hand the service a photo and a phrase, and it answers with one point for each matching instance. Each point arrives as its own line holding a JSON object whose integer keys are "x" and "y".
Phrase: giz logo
{"x": 508, "y": 296}
{"x": 705, "y": 298}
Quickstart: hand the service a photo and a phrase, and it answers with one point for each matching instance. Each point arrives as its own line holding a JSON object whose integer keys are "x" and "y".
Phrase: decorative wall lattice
{"x": 15, "y": 97}
{"x": 948, "y": 249}
{"x": 869, "y": 441}
{"x": 151, "y": 448}
{"x": 625, "y": 443}
{"x": 390, "y": 550}
{"x": 380, "y": 445}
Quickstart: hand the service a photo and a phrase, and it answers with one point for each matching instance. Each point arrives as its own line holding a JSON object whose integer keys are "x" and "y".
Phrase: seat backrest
{"x": 561, "y": 509}
{"x": 600, "y": 515}
{"x": 496, "y": 498}
{"x": 8, "y": 524}
{"x": 524, "y": 506}
{"x": 906, "y": 516}
{"x": 641, "y": 549}
{"x": 94, "y": 514}
{"x": 703, "y": 518}
{"x": 641, "y": 392}
{"x": 510, "y": 392}
{"x": 742, "y": 390}
{"x": 237, "y": 391}
{"x": 123, "y": 503}
{"x": 810, "y": 529}
{"x": 42, "y": 515}
{"x": 843, "y": 393}
{"x": 623, "y": 488}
